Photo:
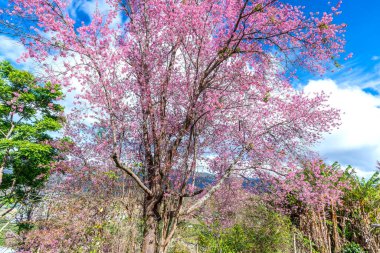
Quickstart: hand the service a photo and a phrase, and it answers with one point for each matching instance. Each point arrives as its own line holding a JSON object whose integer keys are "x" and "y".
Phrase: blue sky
{"x": 363, "y": 30}
{"x": 354, "y": 89}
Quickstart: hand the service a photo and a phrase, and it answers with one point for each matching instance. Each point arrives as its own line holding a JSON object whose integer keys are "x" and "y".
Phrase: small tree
{"x": 177, "y": 86}
{"x": 362, "y": 209}
{"x": 258, "y": 229}
{"x": 312, "y": 197}
{"x": 28, "y": 115}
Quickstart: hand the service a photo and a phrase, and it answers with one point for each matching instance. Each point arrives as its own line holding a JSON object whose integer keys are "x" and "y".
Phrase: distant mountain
{"x": 204, "y": 179}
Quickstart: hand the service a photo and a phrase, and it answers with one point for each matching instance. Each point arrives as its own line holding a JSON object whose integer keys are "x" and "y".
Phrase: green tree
{"x": 352, "y": 248}
{"x": 362, "y": 208}
{"x": 29, "y": 114}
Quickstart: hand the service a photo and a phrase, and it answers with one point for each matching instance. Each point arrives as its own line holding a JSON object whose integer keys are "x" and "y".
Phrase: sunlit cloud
{"x": 10, "y": 49}
{"x": 357, "y": 141}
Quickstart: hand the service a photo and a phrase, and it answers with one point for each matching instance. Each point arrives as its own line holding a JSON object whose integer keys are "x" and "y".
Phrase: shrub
{"x": 352, "y": 248}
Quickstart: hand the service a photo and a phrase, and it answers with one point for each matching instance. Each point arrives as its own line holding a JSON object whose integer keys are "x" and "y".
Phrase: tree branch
{"x": 216, "y": 187}
{"x": 115, "y": 157}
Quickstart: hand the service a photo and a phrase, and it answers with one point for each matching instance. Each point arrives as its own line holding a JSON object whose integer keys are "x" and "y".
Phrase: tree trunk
{"x": 336, "y": 239}
{"x": 149, "y": 244}
{"x": 152, "y": 220}
{"x": 2, "y": 165}
{"x": 1, "y": 174}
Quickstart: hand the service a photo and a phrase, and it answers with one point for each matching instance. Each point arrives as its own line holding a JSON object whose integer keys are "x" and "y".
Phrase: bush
{"x": 352, "y": 248}
{"x": 258, "y": 229}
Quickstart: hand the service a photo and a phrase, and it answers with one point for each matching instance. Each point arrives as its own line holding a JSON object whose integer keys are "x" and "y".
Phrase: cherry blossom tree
{"x": 166, "y": 89}
{"x": 315, "y": 186}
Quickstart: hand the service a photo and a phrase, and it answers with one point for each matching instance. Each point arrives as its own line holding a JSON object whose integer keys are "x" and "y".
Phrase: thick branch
{"x": 216, "y": 187}
{"x": 131, "y": 173}
{"x": 3, "y": 163}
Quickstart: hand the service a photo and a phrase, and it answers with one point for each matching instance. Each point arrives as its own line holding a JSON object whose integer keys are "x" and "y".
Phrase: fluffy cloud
{"x": 10, "y": 49}
{"x": 357, "y": 141}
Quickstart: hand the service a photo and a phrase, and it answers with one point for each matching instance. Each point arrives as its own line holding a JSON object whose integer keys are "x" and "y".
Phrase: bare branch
{"x": 115, "y": 157}
{"x": 213, "y": 189}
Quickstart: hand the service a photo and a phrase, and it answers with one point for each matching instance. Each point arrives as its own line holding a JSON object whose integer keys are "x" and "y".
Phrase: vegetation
{"x": 178, "y": 81}
{"x": 258, "y": 229}
{"x": 28, "y": 115}
{"x": 112, "y": 222}
{"x": 164, "y": 91}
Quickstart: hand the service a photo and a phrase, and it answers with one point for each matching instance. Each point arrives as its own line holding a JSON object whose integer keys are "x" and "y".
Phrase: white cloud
{"x": 375, "y": 58}
{"x": 357, "y": 141}
{"x": 10, "y": 49}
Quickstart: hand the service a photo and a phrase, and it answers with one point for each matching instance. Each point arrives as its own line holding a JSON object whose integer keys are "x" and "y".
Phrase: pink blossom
{"x": 185, "y": 85}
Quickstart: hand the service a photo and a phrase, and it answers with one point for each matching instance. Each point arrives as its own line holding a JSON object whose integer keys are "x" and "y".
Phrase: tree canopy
{"x": 180, "y": 86}
{"x": 29, "y": 114}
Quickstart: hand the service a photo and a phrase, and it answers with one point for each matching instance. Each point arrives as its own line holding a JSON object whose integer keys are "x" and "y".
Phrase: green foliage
{"x": 271, "y": 231}
{"x": 363, "y": 197}
{"x": 365, "y": 194}
{"x": 214, "y": 239}
{"x": 259, "y": 230}
{"x": 28, "y": 114}
{"x": 361, "y": 208}
{"x": 179, "y": 248}
{"x": 352, "y": 248}
{"x": 5, "y": 227}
